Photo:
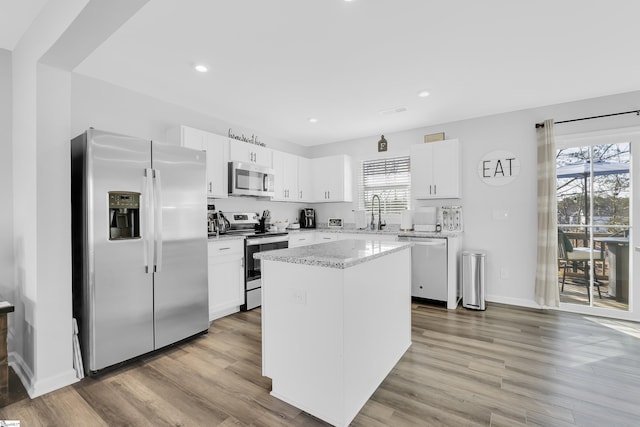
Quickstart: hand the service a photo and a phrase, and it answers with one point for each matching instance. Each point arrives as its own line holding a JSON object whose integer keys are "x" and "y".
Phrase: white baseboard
{"x": 520, "y": 302}
{"x": 21, "y": 369}
{"x": 213, "y": 315}
{"x": 37, "y": 388}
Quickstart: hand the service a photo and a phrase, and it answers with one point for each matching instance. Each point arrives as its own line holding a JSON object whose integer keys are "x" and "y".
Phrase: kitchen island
{"x": 336, "y": 318}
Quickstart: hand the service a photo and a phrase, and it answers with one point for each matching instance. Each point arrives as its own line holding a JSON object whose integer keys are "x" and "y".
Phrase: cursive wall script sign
{"x": 252, "y": 140}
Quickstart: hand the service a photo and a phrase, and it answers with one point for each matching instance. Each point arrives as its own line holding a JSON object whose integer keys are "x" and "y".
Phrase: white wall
{"x": 6, "y": 181}
{"x": 104, "y": 106}
{"x": 510, "y": 244}
{"x": 55, "y": 365}
{"x": 101, "y": 105}
{"x": 42, "y": 336}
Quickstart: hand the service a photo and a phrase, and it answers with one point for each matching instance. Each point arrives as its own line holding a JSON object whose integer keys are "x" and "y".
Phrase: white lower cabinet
{"x": 302, "y": 238}
{"x": 326, "y": 237}
{"x": 226, "y": 277}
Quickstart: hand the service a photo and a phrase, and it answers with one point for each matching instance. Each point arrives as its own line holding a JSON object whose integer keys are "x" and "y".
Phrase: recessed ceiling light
{"x": 201, "y": 68}
{"x": 423, "y": 94}
{"x": 313, "y": 120}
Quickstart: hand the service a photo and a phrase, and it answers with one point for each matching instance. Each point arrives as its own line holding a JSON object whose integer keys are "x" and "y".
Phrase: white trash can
{"x": 473, "y": 279}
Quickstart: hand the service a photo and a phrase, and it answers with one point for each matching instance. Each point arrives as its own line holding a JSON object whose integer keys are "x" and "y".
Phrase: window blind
{"x": 389, "y": 178}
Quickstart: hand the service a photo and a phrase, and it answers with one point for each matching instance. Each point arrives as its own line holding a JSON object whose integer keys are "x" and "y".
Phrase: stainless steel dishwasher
{"x": 428, "y": 267}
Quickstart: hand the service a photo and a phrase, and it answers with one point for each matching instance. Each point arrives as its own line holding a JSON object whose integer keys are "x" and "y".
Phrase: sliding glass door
{"x": 594, "y": 222}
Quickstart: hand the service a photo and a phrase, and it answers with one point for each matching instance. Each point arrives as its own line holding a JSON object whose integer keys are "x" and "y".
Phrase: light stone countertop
{"x": 393, "y": 231}
{"x": 213, "y": 237}
{"x": 338, "y": 254}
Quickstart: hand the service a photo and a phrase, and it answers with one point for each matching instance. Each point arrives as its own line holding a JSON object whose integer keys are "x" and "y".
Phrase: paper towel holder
{"x": 406, "y": 220}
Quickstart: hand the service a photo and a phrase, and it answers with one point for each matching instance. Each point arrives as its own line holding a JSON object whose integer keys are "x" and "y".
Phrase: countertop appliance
{"x": 248, "y": 179}
{"x": 139, "y": 248}
{"x": 428, "y": 267}
{"x": 307, "y": 218}
{"x": 425, "y": 219}
{"x": 249, "y": 224}
{"x": 217, "y": 223}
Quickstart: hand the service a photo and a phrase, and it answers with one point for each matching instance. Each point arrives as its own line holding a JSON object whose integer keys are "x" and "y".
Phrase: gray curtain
{"x": 547, "y": 260}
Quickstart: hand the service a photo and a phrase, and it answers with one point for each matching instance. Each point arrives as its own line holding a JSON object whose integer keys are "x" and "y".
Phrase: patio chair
{"x": 578, "y": 258}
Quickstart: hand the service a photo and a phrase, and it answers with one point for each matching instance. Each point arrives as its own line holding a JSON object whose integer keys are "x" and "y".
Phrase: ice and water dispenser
{"x": 124, "y": 215}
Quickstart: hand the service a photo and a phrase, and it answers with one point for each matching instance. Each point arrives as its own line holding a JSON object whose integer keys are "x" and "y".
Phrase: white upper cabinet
{"x": 240, "y": 151}
{"x": 217, "y": 148}
{"x": 435, "y": 170}
{"x": 332, "y": 179}
{"x": 305, "y": 187}
{"x": 285, "y": 167}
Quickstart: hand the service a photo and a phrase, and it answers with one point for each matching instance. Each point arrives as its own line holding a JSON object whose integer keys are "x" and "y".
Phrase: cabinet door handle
{"x": 435, "y": 189}
{"x": 301, "y": 194}
{"x": 328, "y": 194}
{"x": 210, "y": 187}
{"x": 224, "y": 249}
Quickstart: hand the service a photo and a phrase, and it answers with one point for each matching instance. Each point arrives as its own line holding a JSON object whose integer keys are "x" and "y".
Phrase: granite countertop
{"x": 213, "y": 238}
{"x": 392, "y": 231}
{"x": 339, "y": 254}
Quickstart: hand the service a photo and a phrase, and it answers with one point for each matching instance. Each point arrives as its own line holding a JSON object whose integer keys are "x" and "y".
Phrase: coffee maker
{"x": 307, "y": 218}
{"x": 211, "y": 219}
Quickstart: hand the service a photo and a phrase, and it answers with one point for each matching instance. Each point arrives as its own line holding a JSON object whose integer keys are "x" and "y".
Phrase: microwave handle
{"x": 265, "y": 183}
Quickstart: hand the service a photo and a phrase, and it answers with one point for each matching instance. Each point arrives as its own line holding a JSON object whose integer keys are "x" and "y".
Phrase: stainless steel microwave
{"x": 248, "y": 179}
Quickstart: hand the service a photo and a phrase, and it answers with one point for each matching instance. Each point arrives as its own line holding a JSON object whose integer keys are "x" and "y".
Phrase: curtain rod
{"x": 636, "y": 112}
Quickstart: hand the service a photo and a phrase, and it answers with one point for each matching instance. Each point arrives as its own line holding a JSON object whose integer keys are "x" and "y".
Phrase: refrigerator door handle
{"x": 148, "y": 220}
{"x": 157, "y": 220}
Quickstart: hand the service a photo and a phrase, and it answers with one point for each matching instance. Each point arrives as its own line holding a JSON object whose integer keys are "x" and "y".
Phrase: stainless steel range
{"x": 248, "y": 224}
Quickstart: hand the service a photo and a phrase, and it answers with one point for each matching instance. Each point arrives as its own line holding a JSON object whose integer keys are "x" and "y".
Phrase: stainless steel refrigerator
{"x": 139, "y": 243}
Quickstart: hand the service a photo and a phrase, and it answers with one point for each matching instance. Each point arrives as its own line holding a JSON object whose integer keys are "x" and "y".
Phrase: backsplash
{"x": 280, "y": 211}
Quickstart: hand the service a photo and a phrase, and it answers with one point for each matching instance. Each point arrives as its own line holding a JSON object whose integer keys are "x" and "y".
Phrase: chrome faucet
{"x": 380, "y": 223}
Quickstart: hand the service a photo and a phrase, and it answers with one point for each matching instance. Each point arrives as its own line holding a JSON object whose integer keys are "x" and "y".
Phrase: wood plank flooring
{"x": 506, "y": 366}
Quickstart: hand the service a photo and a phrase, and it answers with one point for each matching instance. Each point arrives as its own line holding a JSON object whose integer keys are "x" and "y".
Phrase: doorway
{"x": 594, "y": 199}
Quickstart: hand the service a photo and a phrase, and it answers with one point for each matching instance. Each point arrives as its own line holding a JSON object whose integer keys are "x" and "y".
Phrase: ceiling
{"x": 15, "y": 17}
{"x": 275, "y": 64}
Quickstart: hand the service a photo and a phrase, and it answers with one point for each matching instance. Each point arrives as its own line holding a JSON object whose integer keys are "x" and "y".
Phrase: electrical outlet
{"x": 299, "y": 297}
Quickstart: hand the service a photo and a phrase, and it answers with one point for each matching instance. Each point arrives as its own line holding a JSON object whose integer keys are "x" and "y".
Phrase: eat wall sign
{"x": 499, "y": 167}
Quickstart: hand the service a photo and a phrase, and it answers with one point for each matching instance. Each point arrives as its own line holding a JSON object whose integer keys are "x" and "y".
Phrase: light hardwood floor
{"x": 506, "y": 366}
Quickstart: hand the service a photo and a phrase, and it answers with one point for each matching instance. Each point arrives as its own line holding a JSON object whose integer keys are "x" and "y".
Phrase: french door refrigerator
{"x": 139, "y": 243}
